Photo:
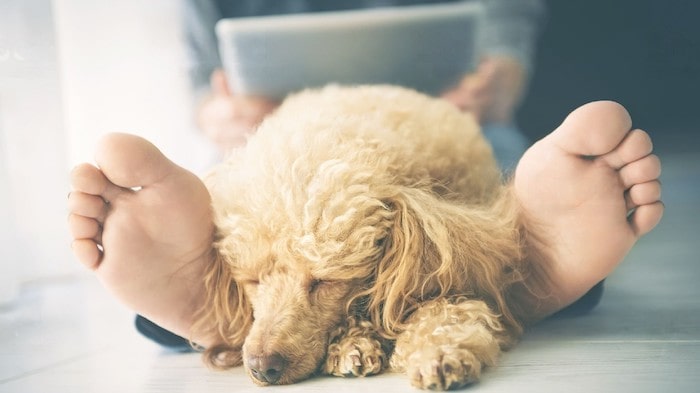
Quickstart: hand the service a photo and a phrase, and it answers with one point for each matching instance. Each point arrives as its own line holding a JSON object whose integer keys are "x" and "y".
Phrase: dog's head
{"x": 299, "y": 275}
{"x": 294, "y": 261}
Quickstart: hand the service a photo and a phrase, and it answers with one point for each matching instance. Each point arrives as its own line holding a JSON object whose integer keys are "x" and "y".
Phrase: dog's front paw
{"x": 355, "y": 356}
{"x": 443, "y": 368}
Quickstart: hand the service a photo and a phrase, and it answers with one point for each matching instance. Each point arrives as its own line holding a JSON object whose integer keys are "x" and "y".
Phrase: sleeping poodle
{"x": 363, "y": 229}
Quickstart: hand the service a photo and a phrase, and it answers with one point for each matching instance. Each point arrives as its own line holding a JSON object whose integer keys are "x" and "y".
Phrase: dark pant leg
{"x": 161, "y": 336}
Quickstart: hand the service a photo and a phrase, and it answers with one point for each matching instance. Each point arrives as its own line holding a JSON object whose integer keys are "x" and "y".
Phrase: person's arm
{"x": 505, "y": 49}
{"x": 199, "y": 18}
{"x": 510, "y": 30}
{"x": 226, "y": 118}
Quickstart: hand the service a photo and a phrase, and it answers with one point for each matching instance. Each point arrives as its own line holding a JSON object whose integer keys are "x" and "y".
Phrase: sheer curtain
{"x": 70, "y": 71}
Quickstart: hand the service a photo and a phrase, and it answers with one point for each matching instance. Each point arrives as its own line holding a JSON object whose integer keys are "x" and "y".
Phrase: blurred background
{"x": 72, "y": 70}
{"x": 643, "y": 53}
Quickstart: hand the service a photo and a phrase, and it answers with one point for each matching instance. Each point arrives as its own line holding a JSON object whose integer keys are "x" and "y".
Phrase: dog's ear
{"x": 226, "y": 316}
{"x": 439, "y": 247}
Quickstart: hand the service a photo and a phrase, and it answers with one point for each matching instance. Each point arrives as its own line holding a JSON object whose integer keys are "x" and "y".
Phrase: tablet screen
{"x": 428, "y": 48}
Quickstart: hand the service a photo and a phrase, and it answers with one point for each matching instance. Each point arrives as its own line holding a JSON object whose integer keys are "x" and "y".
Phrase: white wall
{"x": 123, "y": 69}
{"x": 8, "y": 241}
{"x": 32, "y": 151}
{"x": 70, "y": 71}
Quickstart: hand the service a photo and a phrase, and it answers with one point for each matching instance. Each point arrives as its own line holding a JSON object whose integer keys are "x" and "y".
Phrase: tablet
{"x": 426, "y": 47}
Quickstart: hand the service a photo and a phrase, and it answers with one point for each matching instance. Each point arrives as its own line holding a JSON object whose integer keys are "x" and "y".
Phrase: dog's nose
{"x": 267, "y": 368}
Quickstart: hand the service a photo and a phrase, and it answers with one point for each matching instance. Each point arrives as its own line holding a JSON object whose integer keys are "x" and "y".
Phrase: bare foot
{"x": 589, "y": 190}
{"x": 144, "y": 225}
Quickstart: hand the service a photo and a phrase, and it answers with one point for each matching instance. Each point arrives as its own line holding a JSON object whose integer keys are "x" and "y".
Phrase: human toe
{"x": 88, "y": 179}
{"x": 645, "y": 217}
{"x": 130, "y": 161}
{"x": 87, "y": 205}
{"x": 593, "y": 129}
{"x": 641, "y": 171}
{"x": 87, "y": 252}
{"x": 643, "y": 194}
{"x": 636, "y": 145}
{"x": 84, "y": 227}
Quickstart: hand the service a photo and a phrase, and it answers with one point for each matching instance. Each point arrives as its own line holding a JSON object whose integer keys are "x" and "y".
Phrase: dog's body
{"x": 360, "y": 224}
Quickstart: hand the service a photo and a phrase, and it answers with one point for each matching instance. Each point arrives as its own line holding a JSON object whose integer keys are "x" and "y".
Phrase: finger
{"x": 487, "y": 69}
{"x": 219, "y": 84}
{"x": 252, "y": 110}
{"x": 476, "y": 84}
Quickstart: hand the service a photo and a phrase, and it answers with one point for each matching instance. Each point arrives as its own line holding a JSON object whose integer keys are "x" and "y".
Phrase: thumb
{"x": 219, "y": 84}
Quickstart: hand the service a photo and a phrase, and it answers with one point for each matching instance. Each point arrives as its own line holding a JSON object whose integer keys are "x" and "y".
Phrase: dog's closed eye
{"x": 249, "y": 283}
{"x": 315, "y": 285}
{"x": 328, "y": 291}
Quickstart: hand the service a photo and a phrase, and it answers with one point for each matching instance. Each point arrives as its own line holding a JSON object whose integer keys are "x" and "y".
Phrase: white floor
{"x": 68, "y": 336}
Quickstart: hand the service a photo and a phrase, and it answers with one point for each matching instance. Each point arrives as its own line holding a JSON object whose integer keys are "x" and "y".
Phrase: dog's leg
{"x": 356, "y": 349}
{"x": 447, "y": 343}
